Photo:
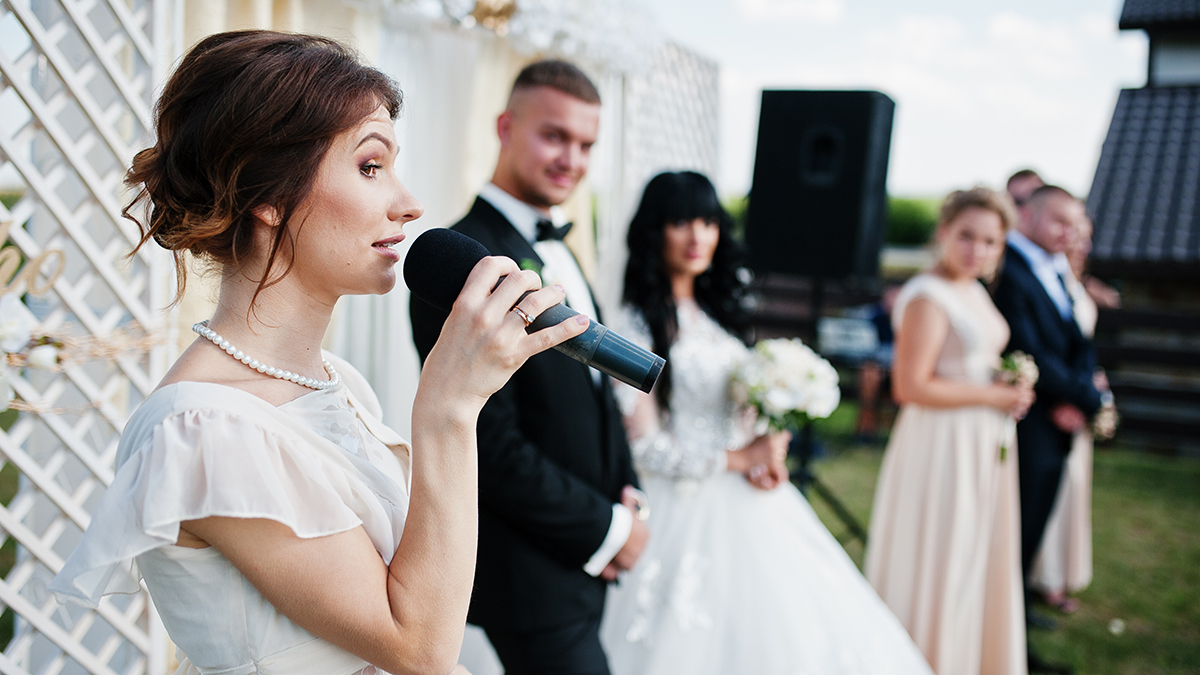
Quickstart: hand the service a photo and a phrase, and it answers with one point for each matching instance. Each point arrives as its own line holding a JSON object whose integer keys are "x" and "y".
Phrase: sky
{"x": 981, "y": 88}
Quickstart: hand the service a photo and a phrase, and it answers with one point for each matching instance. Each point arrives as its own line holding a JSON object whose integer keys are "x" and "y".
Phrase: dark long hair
{"x": 244, "y": 122}
{"x": 670, "y": 198}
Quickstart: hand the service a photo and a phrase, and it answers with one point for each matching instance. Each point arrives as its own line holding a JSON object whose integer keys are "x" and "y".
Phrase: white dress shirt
{"x": 560, "y": 267}
{"x": 1047, "y": 268}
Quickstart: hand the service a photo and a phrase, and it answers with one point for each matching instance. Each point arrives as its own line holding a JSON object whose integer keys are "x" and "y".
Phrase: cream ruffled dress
{"x": 319, "y": 464}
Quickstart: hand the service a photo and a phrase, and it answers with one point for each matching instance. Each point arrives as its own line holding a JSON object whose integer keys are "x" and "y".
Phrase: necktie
{"x": 1066, "y": 289}
{"x": 1069, "y": 315}
{"x": 546, "y": 230}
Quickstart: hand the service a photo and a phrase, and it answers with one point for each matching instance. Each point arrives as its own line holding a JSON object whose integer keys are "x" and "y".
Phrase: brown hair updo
{"x": 244, "y": 122}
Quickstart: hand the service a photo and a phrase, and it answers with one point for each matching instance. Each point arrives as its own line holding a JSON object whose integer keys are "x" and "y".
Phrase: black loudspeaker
{"x": 818, "y": 203}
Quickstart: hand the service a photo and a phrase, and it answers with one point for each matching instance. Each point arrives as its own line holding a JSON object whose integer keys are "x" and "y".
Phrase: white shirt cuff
{"x": 614, "y": 541}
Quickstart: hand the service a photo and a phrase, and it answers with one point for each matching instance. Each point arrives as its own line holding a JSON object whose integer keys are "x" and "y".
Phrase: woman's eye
{"x": 369, "y": 169}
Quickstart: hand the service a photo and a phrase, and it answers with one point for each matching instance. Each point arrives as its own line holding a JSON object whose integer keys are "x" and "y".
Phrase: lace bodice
{"x": 978, "y": 333}
{"x": 690, "y": 440}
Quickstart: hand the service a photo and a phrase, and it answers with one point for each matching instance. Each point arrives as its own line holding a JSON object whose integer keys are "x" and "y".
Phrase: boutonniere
{"x": 530, "y": 264}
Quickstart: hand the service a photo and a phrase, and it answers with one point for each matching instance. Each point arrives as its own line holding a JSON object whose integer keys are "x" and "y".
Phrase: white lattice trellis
{"x": 667, "y": 119}
{"x": 76, "y": 90}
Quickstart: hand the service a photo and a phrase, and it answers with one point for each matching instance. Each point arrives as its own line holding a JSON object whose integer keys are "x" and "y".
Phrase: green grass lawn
{"x": 1146, "y": 534}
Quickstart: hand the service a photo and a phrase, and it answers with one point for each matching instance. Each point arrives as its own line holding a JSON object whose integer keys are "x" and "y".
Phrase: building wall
{"x": 1174, "y": 61}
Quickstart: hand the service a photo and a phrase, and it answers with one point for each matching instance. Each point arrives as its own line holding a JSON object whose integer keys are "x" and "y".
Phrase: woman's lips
{"x": 386, "y": 247}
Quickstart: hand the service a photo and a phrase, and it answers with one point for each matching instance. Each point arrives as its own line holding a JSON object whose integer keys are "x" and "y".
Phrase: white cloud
{"x": 825, "y": 11}
{"x": 1098, "y": 26}
{"x": 975, "y": 100}
{"x": 1040, "y": 48}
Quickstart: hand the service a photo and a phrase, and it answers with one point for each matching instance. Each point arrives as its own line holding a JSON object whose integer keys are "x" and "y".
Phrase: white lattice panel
{"x": 667, "y": 120}
{"x": 77, "y": 86}
{"x": 670, "y": 118}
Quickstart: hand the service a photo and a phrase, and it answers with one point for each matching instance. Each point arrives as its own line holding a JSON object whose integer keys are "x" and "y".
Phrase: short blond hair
{"x": 978, "y": 197}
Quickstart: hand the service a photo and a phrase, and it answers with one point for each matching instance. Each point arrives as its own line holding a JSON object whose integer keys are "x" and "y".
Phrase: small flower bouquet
{"x": 1017, "y": 369}
{"x": 787, "y": 383}
{"x": 1104, "y": 424}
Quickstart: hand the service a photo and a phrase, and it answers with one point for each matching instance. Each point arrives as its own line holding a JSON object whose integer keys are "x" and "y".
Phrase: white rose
{"x": 824, "y": 403}
{"x": 16, "y": 323}
{"x": 44, "y": 357}
{"x": 777, "y": 402}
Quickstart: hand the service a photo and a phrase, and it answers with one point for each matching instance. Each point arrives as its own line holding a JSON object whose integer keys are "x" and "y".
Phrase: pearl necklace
{"x": 204, "y": 331}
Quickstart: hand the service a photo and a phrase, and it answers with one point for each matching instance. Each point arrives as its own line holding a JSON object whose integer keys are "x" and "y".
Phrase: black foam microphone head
{"x": 438, "y": 264}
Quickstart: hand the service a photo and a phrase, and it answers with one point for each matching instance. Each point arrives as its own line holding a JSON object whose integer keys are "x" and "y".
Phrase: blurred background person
{"x": 1064, "y": 562}
{"x": 1103, "y": 295}
{"x": 1021, "y": 185}
{"x": 1032, "y": 294}
{"x": 944, "y": 545}
{"x": 739, "y": 576}
{"x": 876, "y": 367}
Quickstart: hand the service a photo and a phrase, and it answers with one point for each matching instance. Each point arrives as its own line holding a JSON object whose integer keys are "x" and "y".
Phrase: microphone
{"x": 437, "y": 266}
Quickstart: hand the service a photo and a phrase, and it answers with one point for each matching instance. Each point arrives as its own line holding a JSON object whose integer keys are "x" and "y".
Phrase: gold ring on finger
{"x": 524, "y": 317}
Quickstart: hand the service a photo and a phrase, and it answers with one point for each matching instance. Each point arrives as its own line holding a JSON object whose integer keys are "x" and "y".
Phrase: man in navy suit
{"x": 557, "y": 504}
{"x": 1032, "y": 295}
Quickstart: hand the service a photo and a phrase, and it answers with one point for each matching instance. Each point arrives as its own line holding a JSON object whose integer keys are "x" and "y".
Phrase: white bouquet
{"x": 1019, "y": 370}
{"x": 787, "y": 383}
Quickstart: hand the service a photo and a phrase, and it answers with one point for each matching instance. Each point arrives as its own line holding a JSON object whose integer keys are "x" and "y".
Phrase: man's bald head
{"x": 1045, "y": 194}
{"x": 1053, "y": 217}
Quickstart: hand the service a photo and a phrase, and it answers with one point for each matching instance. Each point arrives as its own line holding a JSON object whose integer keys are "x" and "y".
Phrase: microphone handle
{"x": 604, "y": 350}
{"x": 582, "y": 347}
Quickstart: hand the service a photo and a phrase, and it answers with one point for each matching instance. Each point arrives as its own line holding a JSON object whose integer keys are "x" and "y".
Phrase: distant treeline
{"x": 910, "y": 220}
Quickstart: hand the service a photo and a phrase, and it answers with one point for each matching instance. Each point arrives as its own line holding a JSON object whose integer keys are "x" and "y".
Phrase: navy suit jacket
{"x": 1066, "y": 359}
{"x": 553, "y": 458}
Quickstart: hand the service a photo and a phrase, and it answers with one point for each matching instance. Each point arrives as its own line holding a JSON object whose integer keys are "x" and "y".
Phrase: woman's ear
{"x": 266, "y": 215}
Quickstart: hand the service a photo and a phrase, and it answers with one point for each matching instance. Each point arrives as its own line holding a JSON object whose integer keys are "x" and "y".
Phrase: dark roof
{"x": 1150, "y": 14}
{"x": 1145, "y": 197}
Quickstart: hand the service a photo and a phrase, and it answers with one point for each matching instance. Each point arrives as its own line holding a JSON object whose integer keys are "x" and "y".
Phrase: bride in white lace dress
{"x": 739, "y": 575}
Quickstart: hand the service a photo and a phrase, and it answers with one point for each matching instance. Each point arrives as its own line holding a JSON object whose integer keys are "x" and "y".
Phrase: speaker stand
{"x": 804, "y": 476}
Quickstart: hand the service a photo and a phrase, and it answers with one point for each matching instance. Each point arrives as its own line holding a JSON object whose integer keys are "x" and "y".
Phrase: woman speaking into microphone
{"x": 279, "y": 526}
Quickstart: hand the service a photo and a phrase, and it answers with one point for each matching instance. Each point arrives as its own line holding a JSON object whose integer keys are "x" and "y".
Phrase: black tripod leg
{"x": 839, "y": 509}
{"x": 804, "y": 477}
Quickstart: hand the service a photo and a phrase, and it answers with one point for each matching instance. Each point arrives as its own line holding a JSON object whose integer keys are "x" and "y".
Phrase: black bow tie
{"x": 547, "y": 230}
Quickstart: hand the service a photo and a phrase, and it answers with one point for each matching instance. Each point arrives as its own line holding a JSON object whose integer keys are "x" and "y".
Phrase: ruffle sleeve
{"x": 179, "y": 463}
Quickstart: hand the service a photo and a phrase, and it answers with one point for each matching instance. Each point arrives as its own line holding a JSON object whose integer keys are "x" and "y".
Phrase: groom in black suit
{"x": 1033, "y": 297}
{"x": 557, "y": 506}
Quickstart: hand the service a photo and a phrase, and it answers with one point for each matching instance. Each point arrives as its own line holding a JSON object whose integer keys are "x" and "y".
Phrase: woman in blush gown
{"x": 944, "y": 547}
{"x": 280, "y": 527}
{"x": 739, "y": 575}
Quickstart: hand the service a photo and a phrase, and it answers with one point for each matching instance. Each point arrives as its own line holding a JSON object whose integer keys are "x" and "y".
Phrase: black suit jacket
{"x": 1065, "y": 358}
{"x": 553, "y": 459}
